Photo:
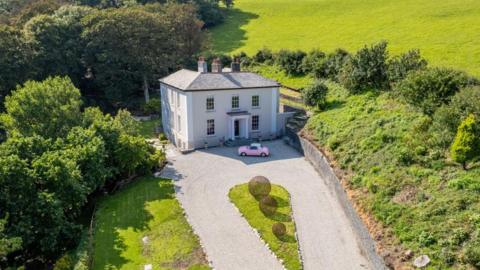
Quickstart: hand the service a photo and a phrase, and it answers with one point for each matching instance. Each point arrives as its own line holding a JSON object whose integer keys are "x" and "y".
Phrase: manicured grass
{"x": 147, "y": 128}
{"x": 147, "y": 207}
{"x": 285, "y": 248}
{"x": 446, "y": 32}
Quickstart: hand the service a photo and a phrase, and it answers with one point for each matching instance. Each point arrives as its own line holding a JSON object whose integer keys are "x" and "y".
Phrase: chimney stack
{"x": 202, "y": 65}
{"x": 235, "y": 67}
{"x": 216, "y": 65}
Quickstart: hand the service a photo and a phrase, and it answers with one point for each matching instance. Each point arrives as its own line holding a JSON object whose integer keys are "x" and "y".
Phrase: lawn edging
{"x": 322, "y": 165}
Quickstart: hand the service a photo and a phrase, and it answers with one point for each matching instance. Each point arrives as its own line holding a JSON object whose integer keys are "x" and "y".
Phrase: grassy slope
{"x": 147, "y": 128}
{"x": 445, "y": 31}
{"x": 287, "y": 248}
{"x": 370, "y": 135}
{"x": 145, "y": 208}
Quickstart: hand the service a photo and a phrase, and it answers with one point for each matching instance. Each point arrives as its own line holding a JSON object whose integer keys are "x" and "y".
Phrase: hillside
{"x": 446, "y": 32}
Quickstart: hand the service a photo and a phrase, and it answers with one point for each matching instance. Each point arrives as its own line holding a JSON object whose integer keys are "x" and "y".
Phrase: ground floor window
{"x": 210, "y": 127}
{"x": 255, "y": 122}
{"x": 179, "y": 127}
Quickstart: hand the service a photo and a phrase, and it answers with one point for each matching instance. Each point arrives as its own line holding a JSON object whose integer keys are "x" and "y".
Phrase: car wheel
{"x": 263, "y": 154}
{"x": 243, "y": 154}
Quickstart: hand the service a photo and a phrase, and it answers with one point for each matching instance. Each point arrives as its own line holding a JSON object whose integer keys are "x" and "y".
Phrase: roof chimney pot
{"x": 216, "y": 65}
{"x": 235, "y": 66}
{"x": 202, "y": 65}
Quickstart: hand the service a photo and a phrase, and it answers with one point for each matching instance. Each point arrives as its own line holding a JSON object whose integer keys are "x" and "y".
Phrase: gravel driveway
{"x": 203, "y": 179}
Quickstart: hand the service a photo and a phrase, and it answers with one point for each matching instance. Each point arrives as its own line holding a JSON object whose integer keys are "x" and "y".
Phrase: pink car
{"x": 254, "y": 149}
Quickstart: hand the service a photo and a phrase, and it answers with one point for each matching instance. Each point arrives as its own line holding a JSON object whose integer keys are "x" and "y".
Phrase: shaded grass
{"x": 147, "y": 128}
{"x": 147, "y": 207}
{"x": 446, "y": 32}
{"x": 285, "y": 248}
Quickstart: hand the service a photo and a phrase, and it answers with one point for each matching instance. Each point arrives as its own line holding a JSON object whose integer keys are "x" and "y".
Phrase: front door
{"x": 237, "y": 128}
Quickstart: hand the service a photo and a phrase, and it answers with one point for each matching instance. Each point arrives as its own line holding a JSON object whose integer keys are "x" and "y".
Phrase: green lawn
{"x": 147, "y": 207}
{"x": 147, "y": 128}
{"x": 286, "y": 248}
{"x": 446, "y": 31}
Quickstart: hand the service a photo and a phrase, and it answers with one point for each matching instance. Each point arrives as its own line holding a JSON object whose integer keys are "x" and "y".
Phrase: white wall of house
{"x": 191, "y": 107}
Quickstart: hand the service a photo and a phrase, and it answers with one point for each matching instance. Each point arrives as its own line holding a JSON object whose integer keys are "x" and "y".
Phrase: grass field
{"x": 446, "y": 32}
{"x": 285, "y": 248}
{"x": 149, "y": 208}
{"x": 147, "y": 128}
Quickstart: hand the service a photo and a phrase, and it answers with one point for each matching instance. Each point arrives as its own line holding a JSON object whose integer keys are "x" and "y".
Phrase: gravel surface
{"x": 203, "y": 179}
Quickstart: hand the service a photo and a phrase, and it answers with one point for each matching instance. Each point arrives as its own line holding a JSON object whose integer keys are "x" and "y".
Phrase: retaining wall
{"x": 321, "y": 164}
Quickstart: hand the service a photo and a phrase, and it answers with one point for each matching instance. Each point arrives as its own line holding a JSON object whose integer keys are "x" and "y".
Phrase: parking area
{"x": 203, "y": 179}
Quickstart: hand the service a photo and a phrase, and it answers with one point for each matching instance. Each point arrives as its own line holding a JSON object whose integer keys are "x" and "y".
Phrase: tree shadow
{"x": 229, "y": 35}
{"x": 334, "y": 104}
{"x": 124, "y": 212}
{"x": 280, "y": 217}
{"x": 287, "y": 238}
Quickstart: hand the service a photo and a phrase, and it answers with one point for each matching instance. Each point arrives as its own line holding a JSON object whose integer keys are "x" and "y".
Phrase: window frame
{"x": 212, "y": 98}
{"x": 258, "y": 101}
{"x": 255, "y": 123}
{"x": 211, "y": 129}
{"x": 237, "y": 97}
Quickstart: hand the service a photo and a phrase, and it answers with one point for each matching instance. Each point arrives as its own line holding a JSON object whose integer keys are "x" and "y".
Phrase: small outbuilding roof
{"x": 188, "y": 80}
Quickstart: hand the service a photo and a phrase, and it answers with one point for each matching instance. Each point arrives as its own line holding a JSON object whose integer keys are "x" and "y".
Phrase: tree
{"x": 466, "y": 145}
{"x": 290, "y": 61}
{"x": 367, "y": 69}
{"x": 333, "y": 64}
{"x": 430, "y": 88}
{"x": 7, "y": 244}
{"x": 315, "y": 94}
{"x": 57, "y": 43}
{"x": 36, "y": 7}
{"x": 313, "y": 62}
{"x": 49, "y": 108}
{"x": 400, "y": 66}
{"x": 14, "y": 59}
{"x": 127, "y": 48}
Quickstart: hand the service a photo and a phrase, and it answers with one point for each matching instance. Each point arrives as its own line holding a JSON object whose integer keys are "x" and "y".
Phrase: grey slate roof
{"x": 188, "y": 80}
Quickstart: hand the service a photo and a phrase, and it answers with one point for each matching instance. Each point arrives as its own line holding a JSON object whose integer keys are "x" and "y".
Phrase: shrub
{"x": 447, "y": 118}
{"x": 315, "y": 94}
{"x": 259, "y": 186}
{"x": 152, "y": 106}
{"x": 64, "y": 263}
{"x": 279, "y": 229}
{"x": 367, "y": 69}
{"x": 472, "y": 253}
{"x": 466, "y": 147}
{"x": 465, "y": 182}
{"x": 400, "y": 66}
{"x": 268, "y": 205}
{"x": 332, "y": 65}
{"x": 430, "y": 88}
{"x": 263, "y": 55}
{"x": 290, "y": 61}
{"x": 313, "y": 62}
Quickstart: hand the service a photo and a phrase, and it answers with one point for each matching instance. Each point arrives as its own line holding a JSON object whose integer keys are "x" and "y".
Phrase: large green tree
{"x": 14, "y": 59}
{"x": 49, "y": 108}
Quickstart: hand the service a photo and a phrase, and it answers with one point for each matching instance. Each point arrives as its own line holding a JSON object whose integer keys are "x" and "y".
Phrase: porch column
{"x": 246, "y": 128}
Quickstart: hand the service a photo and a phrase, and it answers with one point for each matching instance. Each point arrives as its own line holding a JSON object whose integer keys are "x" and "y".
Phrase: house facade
{"x": 208, "y": 108}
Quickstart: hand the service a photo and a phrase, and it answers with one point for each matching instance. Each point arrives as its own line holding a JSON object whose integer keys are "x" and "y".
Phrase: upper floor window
{"x": 178, "y": 99}
{"x": 210, "y": 103}
{"x": 172, "y": 96}
{"x": 235, "y": 102}
{"x": 255, "y": 122}
{"x": 210, "y": 127}
{"x": 256, "y": 101}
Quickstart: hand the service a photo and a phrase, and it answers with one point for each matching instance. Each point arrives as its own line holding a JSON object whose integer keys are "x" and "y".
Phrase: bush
{"x": 263, "y": 55}
{"x": 315, "y": 94}
{"x": 472, "y": 253}
{"x": 313, "y": 62}
{"x": 259, "y": 186}
{"x": 467, "y": 183}
{"x": 367, "y": 69}
{"x": 152, "y": 106}
{"x": 430, "y": 88}
{"x": 466, "y": 145}
{"x": 332, "y": 65}
{"x": 290, "y": 61}
{"x": 268, "y": 205}
{"x": 400, "y": 66}
{"x": 447, "y": 118}
{"x": 279, "y": 229}
{"x": 64, "y": 263}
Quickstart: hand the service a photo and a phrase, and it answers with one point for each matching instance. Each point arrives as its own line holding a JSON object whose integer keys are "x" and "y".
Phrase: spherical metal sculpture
{"x": 279, "y": 229}
{"x": 268, "y": 205}
{"x": 259, "y": 187}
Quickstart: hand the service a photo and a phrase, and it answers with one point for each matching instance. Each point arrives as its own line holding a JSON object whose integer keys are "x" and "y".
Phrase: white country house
{"x": 209, "y": 108}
